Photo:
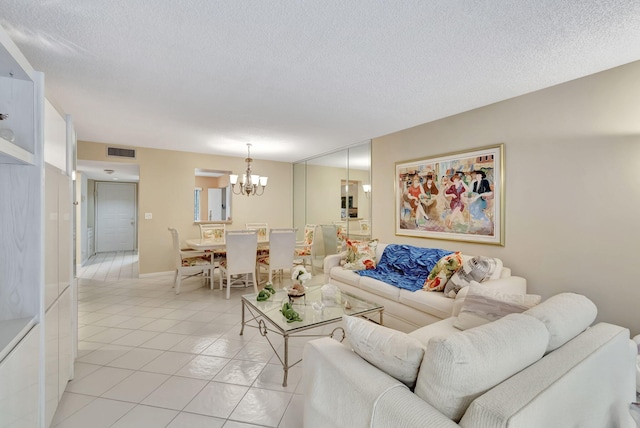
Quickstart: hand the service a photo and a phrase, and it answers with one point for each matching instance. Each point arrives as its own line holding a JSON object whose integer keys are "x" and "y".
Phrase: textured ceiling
{"x": 300, "y": 78}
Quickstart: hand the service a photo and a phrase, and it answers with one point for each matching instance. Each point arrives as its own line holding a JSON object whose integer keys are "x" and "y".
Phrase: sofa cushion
{"x": 436, "y": 304}
{"x": 478, "y": 268}
{"x": 458, "y": 368}
{"x": 380, "y": 288}
{"x": 565, "y": 315}
{"x": 395, "y": 353}
{"x": 482, "y": 305}
{"x": 443, "y": 270}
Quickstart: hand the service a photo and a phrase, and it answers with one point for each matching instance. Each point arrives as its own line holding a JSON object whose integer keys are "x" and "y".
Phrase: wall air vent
{"x": 121, "y": 153}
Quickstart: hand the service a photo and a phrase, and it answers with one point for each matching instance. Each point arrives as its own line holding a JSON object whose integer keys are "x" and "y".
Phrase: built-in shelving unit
{"x": 21, "y": 237}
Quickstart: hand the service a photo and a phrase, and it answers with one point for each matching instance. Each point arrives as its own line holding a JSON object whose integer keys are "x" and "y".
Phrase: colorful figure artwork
{"x": 455, "y": 196}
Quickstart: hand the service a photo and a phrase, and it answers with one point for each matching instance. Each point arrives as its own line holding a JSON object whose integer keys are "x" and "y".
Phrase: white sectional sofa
{"x": 541, "y": 368}
{"x": 406, "y": 310}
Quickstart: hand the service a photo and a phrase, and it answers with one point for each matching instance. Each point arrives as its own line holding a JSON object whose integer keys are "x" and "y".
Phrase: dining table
{"x": 216, "y": 244}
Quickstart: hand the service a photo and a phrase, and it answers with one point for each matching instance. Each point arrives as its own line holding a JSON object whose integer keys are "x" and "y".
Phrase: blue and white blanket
{"x": 405, "y": 266}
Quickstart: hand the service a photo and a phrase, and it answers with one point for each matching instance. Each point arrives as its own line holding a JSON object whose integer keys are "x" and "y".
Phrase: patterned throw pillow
{"x": 481, "y": 306}
{"x": 361, "y": 255}
{"x": 477, "y": 269}
{"x": 442, "y": 271}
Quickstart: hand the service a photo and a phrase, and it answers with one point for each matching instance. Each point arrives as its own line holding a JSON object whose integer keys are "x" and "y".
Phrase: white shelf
{"x": 12, "y": 332}
{"x": 11, "y": 153}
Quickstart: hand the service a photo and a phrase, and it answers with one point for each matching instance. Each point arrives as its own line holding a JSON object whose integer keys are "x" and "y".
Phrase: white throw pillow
{"x": 460, "y": 367}
{"x": 394, "y": 352}
{"x": 565, "y": 315}
{"x": 482, "y": 305}
{"x": 478, "y": 269}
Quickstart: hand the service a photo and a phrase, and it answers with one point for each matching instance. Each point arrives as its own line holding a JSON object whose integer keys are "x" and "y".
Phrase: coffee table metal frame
{"x": 269, "y": 311}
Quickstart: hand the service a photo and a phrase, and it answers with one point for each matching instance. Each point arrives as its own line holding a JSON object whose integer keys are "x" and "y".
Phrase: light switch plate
{"x": 148, "y": 216}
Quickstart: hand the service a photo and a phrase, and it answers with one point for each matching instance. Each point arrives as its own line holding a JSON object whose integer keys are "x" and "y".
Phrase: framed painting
{"x": 456, "y": 196}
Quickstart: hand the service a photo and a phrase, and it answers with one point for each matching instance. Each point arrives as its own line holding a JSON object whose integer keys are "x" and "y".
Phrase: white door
{"x": 115, "y": 216}
{"x": 215, "y": 204}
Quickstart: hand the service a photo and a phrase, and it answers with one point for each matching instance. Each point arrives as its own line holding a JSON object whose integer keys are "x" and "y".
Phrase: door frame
{"x": 135, "y": 212}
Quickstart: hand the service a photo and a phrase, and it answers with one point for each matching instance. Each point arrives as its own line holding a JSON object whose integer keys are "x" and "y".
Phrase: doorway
{"x": 115, "y": 217}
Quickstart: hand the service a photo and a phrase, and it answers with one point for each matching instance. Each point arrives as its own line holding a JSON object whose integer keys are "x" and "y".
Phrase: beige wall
{"x": 572, "y": 186}
{"x": 166, "y": 190}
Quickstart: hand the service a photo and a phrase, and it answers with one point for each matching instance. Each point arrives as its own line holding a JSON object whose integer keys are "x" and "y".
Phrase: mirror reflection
{"x": 212, "y": 196}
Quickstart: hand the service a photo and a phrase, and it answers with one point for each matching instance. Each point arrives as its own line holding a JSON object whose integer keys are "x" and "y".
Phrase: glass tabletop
{"x": 310, "y": 307}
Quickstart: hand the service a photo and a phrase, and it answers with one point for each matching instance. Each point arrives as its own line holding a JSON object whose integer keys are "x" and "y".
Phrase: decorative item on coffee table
{"x": 299, "y": 276}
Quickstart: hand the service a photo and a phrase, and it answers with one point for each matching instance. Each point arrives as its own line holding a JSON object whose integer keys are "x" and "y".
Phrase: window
{"x": 196, "y": 203}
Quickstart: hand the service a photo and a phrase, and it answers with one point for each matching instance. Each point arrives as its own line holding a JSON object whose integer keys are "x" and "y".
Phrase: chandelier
{"x": 249, "y": 182}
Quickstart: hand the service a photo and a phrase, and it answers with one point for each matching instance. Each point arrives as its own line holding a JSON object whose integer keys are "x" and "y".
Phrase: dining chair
{"x": 330, "y": 239}
{"x": 214, "y": 232}
{"x": 242, "y": 247}
{"x": 365, "y": 227}
{"x": 261, "y": 228}
{"x": 341, "y": 233}
{"x": 305, "y": 249}
{"x": 282, "y": 245}
{"x": 189, "y": 262}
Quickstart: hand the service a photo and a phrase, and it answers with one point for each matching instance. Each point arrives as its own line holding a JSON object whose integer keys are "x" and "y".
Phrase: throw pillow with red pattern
{"x": 442, "y": 271}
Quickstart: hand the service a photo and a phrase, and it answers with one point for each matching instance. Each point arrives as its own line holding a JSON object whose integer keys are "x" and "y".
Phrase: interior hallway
{"x": 149, "y": 358}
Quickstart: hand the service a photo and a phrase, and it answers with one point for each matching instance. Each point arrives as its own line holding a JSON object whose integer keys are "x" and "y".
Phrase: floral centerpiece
{"x": 298, "y": 275}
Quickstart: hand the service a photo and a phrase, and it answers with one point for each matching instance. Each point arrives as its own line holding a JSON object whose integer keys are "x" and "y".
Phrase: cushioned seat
{"x": 380, "y": 288}
{"x": 431, "y": 302}
{"x": 345, "y": 276}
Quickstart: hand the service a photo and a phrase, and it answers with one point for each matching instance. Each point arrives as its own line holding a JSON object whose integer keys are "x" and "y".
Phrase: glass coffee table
{"x": 267, "y": 318}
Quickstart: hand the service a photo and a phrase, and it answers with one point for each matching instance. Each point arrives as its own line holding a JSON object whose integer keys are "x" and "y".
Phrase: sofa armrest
{"x": 329, "y": 263}
{"x": 342, "y": 390}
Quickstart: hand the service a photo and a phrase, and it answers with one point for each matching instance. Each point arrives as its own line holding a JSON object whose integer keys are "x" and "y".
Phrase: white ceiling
{"x": 301, "y": 78}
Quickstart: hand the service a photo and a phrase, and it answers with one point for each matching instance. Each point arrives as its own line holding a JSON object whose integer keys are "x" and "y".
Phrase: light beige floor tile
{"x": 80, "y": 370}
{"x": 239, "y": 372}
{"x": 293, "y": 416}
{"x": 135, "y": 322}
{"x": 224, "y": 348}
{"x": 112, "y": 320}
{"x": 203, "y": 367}
{"x": 254, "y": 351}
{"x": 90, "y": 317}
{"x": 175, "y": 393}
{"x": 109, "y": 335}
{"x": 164, "y": 341}
{"x": 192, "y": 420}
{"x": 262, "y": 407}
{"x": 105, "y": 354}
{"x": 98, "y": 382}
{"x": 156, "y": 312}
{"x": 187, "y": 327}
{"x": 135, "y": 338}
{"x": 159, "y": 325}
{"x": 193, "y": 344}
{"x": 180, "y": 314}
{"x": 272, "y": 375}
{"x": 100, "y": 413}
{"x": 89, "y": 330}
{"x": 69, "y": 404}
{"x": 135, "y": 359}
{"x": 146, "y": 417}
{"x": 204, "y": 316}
{"x": 168, "y": 362}
{"x": 217, "y": 399}
{"x": 236, "y": 424}
{"x": 136, "y": 387}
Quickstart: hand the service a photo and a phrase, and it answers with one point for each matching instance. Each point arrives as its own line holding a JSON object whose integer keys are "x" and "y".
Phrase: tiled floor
{"x": 149, "y": 358}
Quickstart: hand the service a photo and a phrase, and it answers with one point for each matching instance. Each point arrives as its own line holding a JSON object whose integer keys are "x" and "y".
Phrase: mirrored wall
{"x": 211, "y": 196}
{"x": 334, "y": 188}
